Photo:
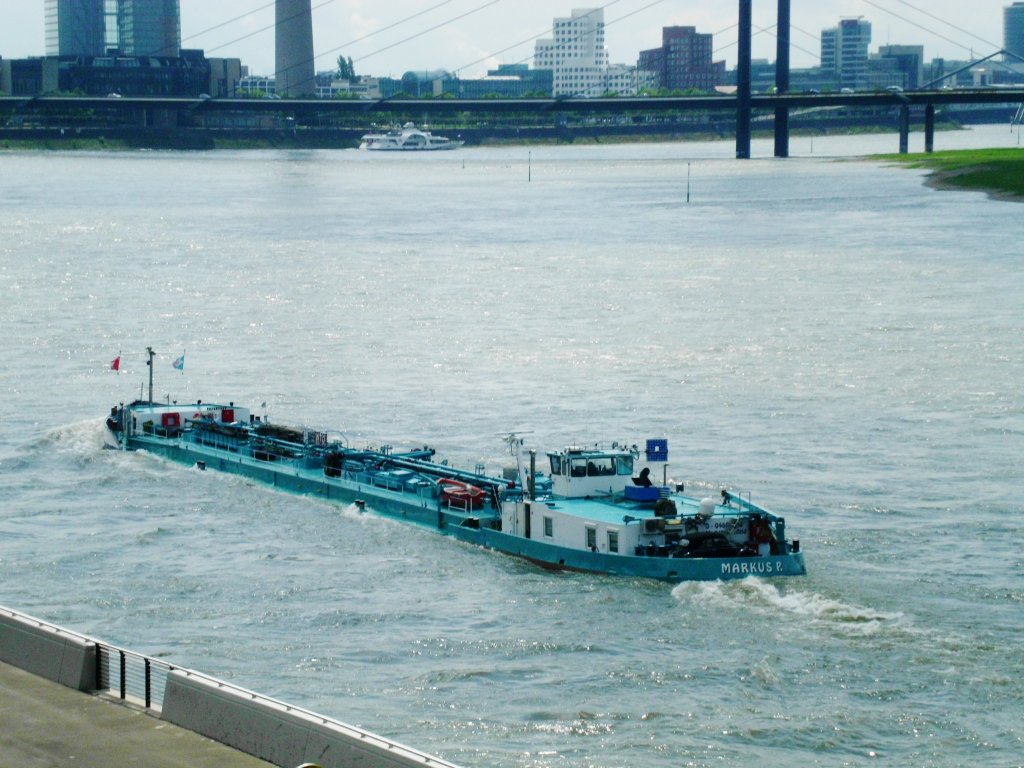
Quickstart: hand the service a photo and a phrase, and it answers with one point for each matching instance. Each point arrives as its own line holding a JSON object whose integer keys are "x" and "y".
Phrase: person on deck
{"x": 761, "y": 533}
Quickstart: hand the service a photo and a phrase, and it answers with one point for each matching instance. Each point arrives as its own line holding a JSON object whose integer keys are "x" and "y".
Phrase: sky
{"x": 391, "y": 37}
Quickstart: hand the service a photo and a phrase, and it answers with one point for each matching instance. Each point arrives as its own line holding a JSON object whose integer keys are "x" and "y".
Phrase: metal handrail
{"x": 136, "y": 674}
{"x": 133, "y": 674}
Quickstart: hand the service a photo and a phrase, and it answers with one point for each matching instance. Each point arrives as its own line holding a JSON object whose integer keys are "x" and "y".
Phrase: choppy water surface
{"x": 830, "y": 336}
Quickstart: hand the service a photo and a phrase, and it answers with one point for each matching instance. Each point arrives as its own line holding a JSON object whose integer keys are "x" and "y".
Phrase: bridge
{"x": 144, "y": 113}
{"x": 177, "y": 113}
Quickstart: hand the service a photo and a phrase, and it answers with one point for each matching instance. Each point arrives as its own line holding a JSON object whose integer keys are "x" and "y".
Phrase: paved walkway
{"x": 46, "y": 725}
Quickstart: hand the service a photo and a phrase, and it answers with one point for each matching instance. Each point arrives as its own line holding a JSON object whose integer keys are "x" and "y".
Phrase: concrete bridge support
{"x": 929, "y": 128}
{"x": 743, "y": 100}
{"x": 782, "y": 27}
{"x": 904, "y": 129}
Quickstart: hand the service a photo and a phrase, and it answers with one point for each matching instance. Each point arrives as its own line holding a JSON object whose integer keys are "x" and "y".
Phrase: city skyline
{"x": 476, "y": 41}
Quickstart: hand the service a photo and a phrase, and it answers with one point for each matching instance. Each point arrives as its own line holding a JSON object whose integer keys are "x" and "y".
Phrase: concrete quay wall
{"x": 47, "y": 651}
{"x": 261, "y": 727}
{"x": 278, "y": 733}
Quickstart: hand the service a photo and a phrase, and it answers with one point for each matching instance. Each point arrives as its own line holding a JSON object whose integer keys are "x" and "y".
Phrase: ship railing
{"x": 212, "y": 439}
{"x": 728, "y": 497}
{"x": 379, "y": 480}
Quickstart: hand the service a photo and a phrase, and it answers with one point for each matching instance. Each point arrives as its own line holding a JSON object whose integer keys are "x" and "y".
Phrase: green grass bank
{"x": 999, "y": 172}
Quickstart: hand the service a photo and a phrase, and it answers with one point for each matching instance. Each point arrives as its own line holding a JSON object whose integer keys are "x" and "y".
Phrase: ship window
{"x": 578, "y": 467}
{"x": 600, "y": 466}
{"x": 556, "y": 464}
{"x": 613, "y": 541}
{"x": 591, "y": 538}
{"x": 624, "y": 465}
{"x": 549, "y": 527}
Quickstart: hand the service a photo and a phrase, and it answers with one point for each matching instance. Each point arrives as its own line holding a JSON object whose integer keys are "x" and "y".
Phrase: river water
{"x": 826, "y": 334}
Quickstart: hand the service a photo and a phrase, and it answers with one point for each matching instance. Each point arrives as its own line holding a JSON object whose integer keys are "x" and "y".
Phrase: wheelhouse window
{"x": 624, "y": 465}
{"x": 549, "y": 527}
{"x": 556, "y": 464}
{"x": 578, "y": 467}
{"x": 613, "y": 541}
{"x": 591, "y": 538}
{"x": 600, "y": 466}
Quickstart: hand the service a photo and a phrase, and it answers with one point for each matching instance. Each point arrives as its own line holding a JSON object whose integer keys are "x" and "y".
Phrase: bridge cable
{"x": 420, "y": 34}
{"x": 941, "y": 36}
{"x": 960, "y": 29}
{"x": 364, "y": 37}
{"x": 550, "y": 30}
{"x": 404, "y": 40}
{"x": 623, "y": 18}
{"x": 768, "y": 30}
{"x": 546, "y": 31}
{"x": 269, "y": 26}
{"x": 161, "y": 51}
{"x": 726, "y": 46}
{"x": 814, "y": 37}
{"x": 229, "y": 21}
{"x": 541, "y": 34}
{"x": 947, "y": 23}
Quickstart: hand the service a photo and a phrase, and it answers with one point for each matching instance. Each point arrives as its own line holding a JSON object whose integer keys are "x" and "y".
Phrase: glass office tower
{"x": 92, "y": 27}
{"x": 1013, "y": 32}
{"x": 149, "y": 27}
{"x": 75, "y": 27}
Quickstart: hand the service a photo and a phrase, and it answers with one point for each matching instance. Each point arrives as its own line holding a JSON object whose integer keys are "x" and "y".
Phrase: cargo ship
{"x": 593, "y": 509}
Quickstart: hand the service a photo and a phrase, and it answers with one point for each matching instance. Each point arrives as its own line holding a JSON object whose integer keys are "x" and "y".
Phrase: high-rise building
{"x": 575, "y": 54}
{"x": 293, "y": 48}
{"x": 75, "y": 27}
{"x": 92, "y": 27}
{"x": 907, "y": 60}
{"x": 684, "y": 60}
{"x": 844, "y": 52}
{"x": 1013, "y": 32}
{"x": 149, "y": 27}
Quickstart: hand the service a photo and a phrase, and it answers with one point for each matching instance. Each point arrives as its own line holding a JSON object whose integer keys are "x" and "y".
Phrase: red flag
{"x": 115, "y": 364}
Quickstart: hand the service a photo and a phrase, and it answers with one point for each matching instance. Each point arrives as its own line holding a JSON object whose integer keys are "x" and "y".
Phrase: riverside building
{"x": 684, "y": 61}
{"x": 97, "y": 27}
{"x": 575, "y": 54}
{"x": 844, "y": 52}
{"x": 1013, "y": 32}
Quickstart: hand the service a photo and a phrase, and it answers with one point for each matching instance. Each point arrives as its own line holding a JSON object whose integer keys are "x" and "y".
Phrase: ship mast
{"x": 149, "y": 362}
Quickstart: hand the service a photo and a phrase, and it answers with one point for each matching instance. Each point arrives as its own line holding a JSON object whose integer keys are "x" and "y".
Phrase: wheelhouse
{"x": 581, "y": 472}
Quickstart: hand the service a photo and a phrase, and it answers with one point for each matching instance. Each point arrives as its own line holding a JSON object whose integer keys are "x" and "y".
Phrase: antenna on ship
{"x": 149, "y": 362}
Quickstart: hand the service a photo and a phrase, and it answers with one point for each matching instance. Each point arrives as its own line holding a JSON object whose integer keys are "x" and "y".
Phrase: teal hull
{"x": 428, "y": 512}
